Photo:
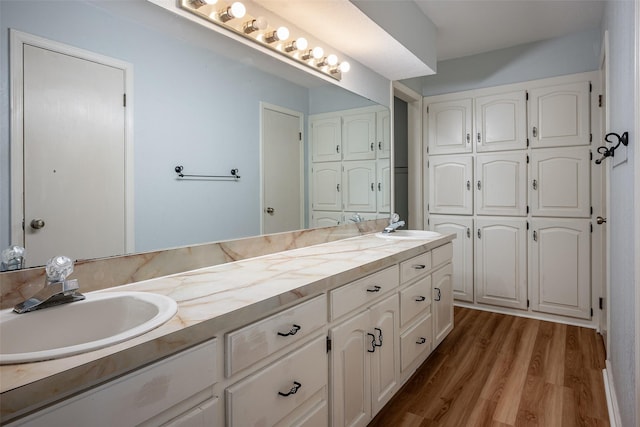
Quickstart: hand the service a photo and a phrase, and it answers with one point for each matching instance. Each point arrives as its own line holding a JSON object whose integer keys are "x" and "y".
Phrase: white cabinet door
{"x": 385, "y": 360}
{"x": 359, "y": 179}
{"x": 560, "y": 182}
{"x": 383, "y": 132}
{"x": 501, "y": 184}
{"x": 383, "y": 187}
{"x": 501, "y": 262}
{"x": 449, "y": 126}
{"x": 326, "y": 139}
{"x": 462, "y": 260}
{"x": 450, "y": 182}
{"x": 559, "y": 115}
{"x": 326, "y": 219}
{"x": 359, "y": 136}
{"x": 442, "y": 303}
{"x": 326, "y": 186}
{"x": 501, "y": 122}
{"x": 350, "y": 372}
{"x": 560, "y": 266}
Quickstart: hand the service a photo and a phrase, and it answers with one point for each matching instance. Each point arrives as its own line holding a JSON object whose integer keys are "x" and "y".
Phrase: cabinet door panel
{"x": 383, "y": 132}
{"x": 462, "y": 261}
{"x": 501, "y": 262}
{"x": 326, "y": 219}
{"x": 449, "y": 126}
{"x": 559, "y": 115}
{"x": 501, "y": 184}
{"x": 327, "y": 186}
{"x": 560, "y": 182}
{"x": 416, "y": 343}
{"x": 450, "y": 182}
{"x": 385, "y": 361}
{"x": 383, "y": 170}
{"x": 359, "y": 179}
{"x": 359, "y": 136}
{"x": 442, "y": 303}
{"x": 560, "y": 267}
{"x": 326, "y": 139}
{"x": 501, "y": 122}
{"x": 350, "y": 367}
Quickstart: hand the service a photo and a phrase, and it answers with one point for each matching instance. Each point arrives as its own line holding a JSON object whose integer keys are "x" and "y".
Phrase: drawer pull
{"x": 439, "y": 297}
{"x": 293, "y": 390}
{"x": 294, "y": 330}
{"x": 373, "y": 343}
{"x": 420, "y": 298}
{"x": 375, "y": 288}
{"x": 419, "y": 266}
{"x": 379, "y": 337}
{"x": 422, "y": 340}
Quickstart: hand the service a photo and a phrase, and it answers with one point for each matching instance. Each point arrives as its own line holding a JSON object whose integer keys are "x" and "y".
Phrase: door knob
{"x": 601, "y": 220}
{"x": 37, "y": 224}
{"x": 270, "y": 211}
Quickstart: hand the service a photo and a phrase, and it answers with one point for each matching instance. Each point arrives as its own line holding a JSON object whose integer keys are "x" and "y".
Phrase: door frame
{"x": 417, "y": 202}
{"x": 266, "y": 106}
{"x": 16, "y": 82}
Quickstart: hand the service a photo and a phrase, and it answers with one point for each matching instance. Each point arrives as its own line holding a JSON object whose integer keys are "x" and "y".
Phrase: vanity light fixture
{"x": 315, "y": 53}
{"x": 258, "y": 24}
{"x": 330, "y": 60}
{"x": 282, "y": 33}
{"x": 199, "y": 3}
{"x": 236, "y": 10}
{"x": 299, "y": 44}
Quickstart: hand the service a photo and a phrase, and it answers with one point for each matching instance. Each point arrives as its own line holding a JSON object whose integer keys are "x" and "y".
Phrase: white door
{"x": 450, "y": 184}
{"x": 559, "y": 115}
{"x": 462, "y": 259}
{"x": 442, "y": 303}
{"x": 283, "y": 188}
{"x": 74, "y": 157}
{"x": 383, "y": 132}
{"x": 326, "y": 139}
{"x": 501, "y": 122}
{"x": 359, "y": 136}
{"x": 449, "y": 127}
{"x": 560, "y": 182}
{"x": 326, "y": 190}
{"x": 359, "y": 180}
{"x": 501, "y": 183}
{"x": 560, "y": 266}
{"x": 350, "y": 372}
{"x": 385, "y": 360}
{"x": 383, "y": 187}
{"x": 501, "y": 262}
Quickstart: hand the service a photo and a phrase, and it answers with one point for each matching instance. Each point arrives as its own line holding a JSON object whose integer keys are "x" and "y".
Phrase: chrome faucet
{"x": 394, "y": 224}
{"x": 57, "y": 289}
{"x": 356, "y": 217}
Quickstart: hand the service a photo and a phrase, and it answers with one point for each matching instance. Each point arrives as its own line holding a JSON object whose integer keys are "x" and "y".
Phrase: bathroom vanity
{"x": 317, "y": 336}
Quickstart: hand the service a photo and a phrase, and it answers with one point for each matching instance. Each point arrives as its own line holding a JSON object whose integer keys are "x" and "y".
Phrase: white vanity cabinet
{"x": 176, "y": 391}
{"x": 326, "y": 219}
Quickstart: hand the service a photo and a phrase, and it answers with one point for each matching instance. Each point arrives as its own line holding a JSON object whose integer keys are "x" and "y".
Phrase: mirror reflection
{"x": 192, "y": 100}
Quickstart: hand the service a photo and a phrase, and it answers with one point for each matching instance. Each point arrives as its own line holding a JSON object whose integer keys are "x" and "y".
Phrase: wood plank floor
{"x": 500, "y": 370}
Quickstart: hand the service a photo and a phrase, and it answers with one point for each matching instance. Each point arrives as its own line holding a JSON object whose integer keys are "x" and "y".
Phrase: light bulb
{"x": 299, "y": 44}
{"x": 332, "y": 60}
{"x": 236, "y": 10}
{"x": 317, "y": 52}
{"x": 199, "y": 3}
{"x": 344, "y": 67}
{"x": 257, "y": 24}
{"x": 281, "y": 33}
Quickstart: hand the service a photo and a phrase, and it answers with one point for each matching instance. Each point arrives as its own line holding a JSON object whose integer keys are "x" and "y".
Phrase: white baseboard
{"x": 612, "y": 400}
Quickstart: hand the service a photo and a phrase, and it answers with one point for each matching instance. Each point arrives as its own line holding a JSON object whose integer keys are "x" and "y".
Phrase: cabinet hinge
{"x": 601, "y": 303}
{"x": 527, "y": 154}
{"x": 427, "y": 207}
{"x": 427, "y": 109}
{"x": 328, "y": 344}
{"x": 600, "y": 101}
{"x": 22, "y": 224}
{"x": 590, "y": 137}
{"x": 300, "y": 136}
{"x": 591, "y": 210}
{"x": 528, "y": 304}
{"x": 427, "y": 164}
{"x": 591, "y": 311}
{"x": 527, "y": 208}
{"x": 428, "y": 221}
{"x": 427, "y": 149}
{"x": 591, "y": 226}
{"x": 590, "y": 155}
{"x": 526, "y": 95}
{"x": 124, "y": 99}
{"x": 527, "y": 221}
{"x": 590, "y": 88}
{"x": 527, "y": 142}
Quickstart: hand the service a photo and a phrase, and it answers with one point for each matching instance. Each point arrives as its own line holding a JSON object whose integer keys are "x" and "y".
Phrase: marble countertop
{"x": 210, "y": 300}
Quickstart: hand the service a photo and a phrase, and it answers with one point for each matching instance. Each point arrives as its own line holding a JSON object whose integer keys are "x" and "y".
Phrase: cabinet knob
{"x": 534, "y": 132}
{"x": 373, "y": 343}
{"x": 420, "y": 299}
{"x": 479, "y": 138}
{"x": 379, "y": 343}
{"x": 293, "y": 390}
{"x": 338, "y": 149}
{"x": 375, "y": 288}
{"x": 422, "y": 340}
{"x": 601, "y": 220}
{"x": 534, "y": 184}
{"x": 380, "y": 145}
{"x": 419, "y": 266}
{"x": 468, "y": 185}
{"x": 479, "y": 185}
{"x": 468, "y": 138}
{"x": 36, "y": 224}
{"x": 372, "y": 145}
{"x": 439, "y": 295}
{"x": 294, "y": 330}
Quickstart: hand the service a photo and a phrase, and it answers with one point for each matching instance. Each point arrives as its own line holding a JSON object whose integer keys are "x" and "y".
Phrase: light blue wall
{"x": 619, "y": 22}
{"x": 194, "y": 106}
{"x": 574, "y": 53}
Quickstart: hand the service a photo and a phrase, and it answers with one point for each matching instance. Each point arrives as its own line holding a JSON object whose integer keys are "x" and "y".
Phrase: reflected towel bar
{"x": 234, "y": 174}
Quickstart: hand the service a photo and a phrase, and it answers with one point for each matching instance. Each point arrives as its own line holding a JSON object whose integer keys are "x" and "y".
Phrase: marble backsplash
{"x": 105, "y": 273}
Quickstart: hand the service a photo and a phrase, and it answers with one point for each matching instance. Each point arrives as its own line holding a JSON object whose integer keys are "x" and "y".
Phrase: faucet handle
{"x": 394, "y": 218}
{"x": 12, "y": 258}
{"x": 58, "y": 268}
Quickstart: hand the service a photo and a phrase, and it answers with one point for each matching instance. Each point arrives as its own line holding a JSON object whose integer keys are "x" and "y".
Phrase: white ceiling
{"x": 465, "y": 27}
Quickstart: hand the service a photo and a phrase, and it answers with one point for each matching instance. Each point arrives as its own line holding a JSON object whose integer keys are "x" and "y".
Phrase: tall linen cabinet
{"x": 509, "y": 171}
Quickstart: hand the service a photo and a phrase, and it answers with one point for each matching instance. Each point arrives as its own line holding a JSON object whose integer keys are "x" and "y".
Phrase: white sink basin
{"x": 102, "y": 319}
{"x": 410, "y": 235}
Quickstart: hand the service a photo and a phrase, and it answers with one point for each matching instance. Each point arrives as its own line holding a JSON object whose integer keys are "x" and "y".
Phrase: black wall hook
{"x": 609, "y": 152}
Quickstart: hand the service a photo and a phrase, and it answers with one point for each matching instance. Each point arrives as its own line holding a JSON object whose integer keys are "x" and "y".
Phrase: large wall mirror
{"x": 197, "y": 102}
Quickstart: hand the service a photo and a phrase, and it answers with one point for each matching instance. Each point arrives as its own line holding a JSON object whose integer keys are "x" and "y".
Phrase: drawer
{"x": 415, "y": 267}
{"x": 349, "y": 297}
{"x": 258, "y": 340}
{"x": 415, "y": 342}
{"x": 442, "y": 255}
{"x": 261, "y": 399}
{"x": 415, "y": 300}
